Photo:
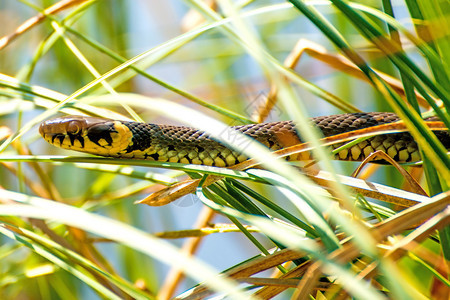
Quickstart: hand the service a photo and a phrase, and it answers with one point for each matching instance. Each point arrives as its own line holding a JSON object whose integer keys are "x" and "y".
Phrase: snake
{"x": 187, "y": 145}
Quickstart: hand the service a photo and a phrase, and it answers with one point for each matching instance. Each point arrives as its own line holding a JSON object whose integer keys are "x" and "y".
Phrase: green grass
{"x": 74, "y": 226}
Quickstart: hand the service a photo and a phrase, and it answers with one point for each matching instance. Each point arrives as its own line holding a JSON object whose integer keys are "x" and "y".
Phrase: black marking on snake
{"x": 155, "y": 156}
{"x": 74, "y": 137}
{"x": 101, "y": 131}
{"x": 60, "y": 138}
{"x": 81, "y": 141}
{"x": 140, "y": 138}
{"x": 271, "y": 143}
{"x": 200, "y": 149}
{"x": 171, "y": 148}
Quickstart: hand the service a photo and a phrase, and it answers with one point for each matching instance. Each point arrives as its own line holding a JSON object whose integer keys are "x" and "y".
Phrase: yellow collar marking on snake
{"x": 187, "y": 145}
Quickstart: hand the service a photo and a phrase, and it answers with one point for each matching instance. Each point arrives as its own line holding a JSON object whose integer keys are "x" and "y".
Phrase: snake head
{"x": 78, "y": 132}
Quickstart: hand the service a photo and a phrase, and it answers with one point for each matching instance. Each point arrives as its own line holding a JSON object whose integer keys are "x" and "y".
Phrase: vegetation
{"x": 77, "y": 226}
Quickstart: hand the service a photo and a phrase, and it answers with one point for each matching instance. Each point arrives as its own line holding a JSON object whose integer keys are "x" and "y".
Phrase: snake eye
{"x": 73, "y": 127}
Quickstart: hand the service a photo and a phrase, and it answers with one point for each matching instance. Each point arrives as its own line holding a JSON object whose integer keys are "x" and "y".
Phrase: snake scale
{"x": 123, "y": 139}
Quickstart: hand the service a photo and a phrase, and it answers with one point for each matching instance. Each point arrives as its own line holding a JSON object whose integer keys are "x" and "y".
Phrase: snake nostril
{"x": 46, "y": 129}
{"x": 42, "y": 129}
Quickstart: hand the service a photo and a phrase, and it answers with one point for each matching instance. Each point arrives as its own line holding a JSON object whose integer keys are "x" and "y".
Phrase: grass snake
{"x": 124, "y": 139}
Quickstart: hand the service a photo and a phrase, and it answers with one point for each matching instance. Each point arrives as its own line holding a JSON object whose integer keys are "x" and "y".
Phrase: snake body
{"x": 123, "y": 139}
